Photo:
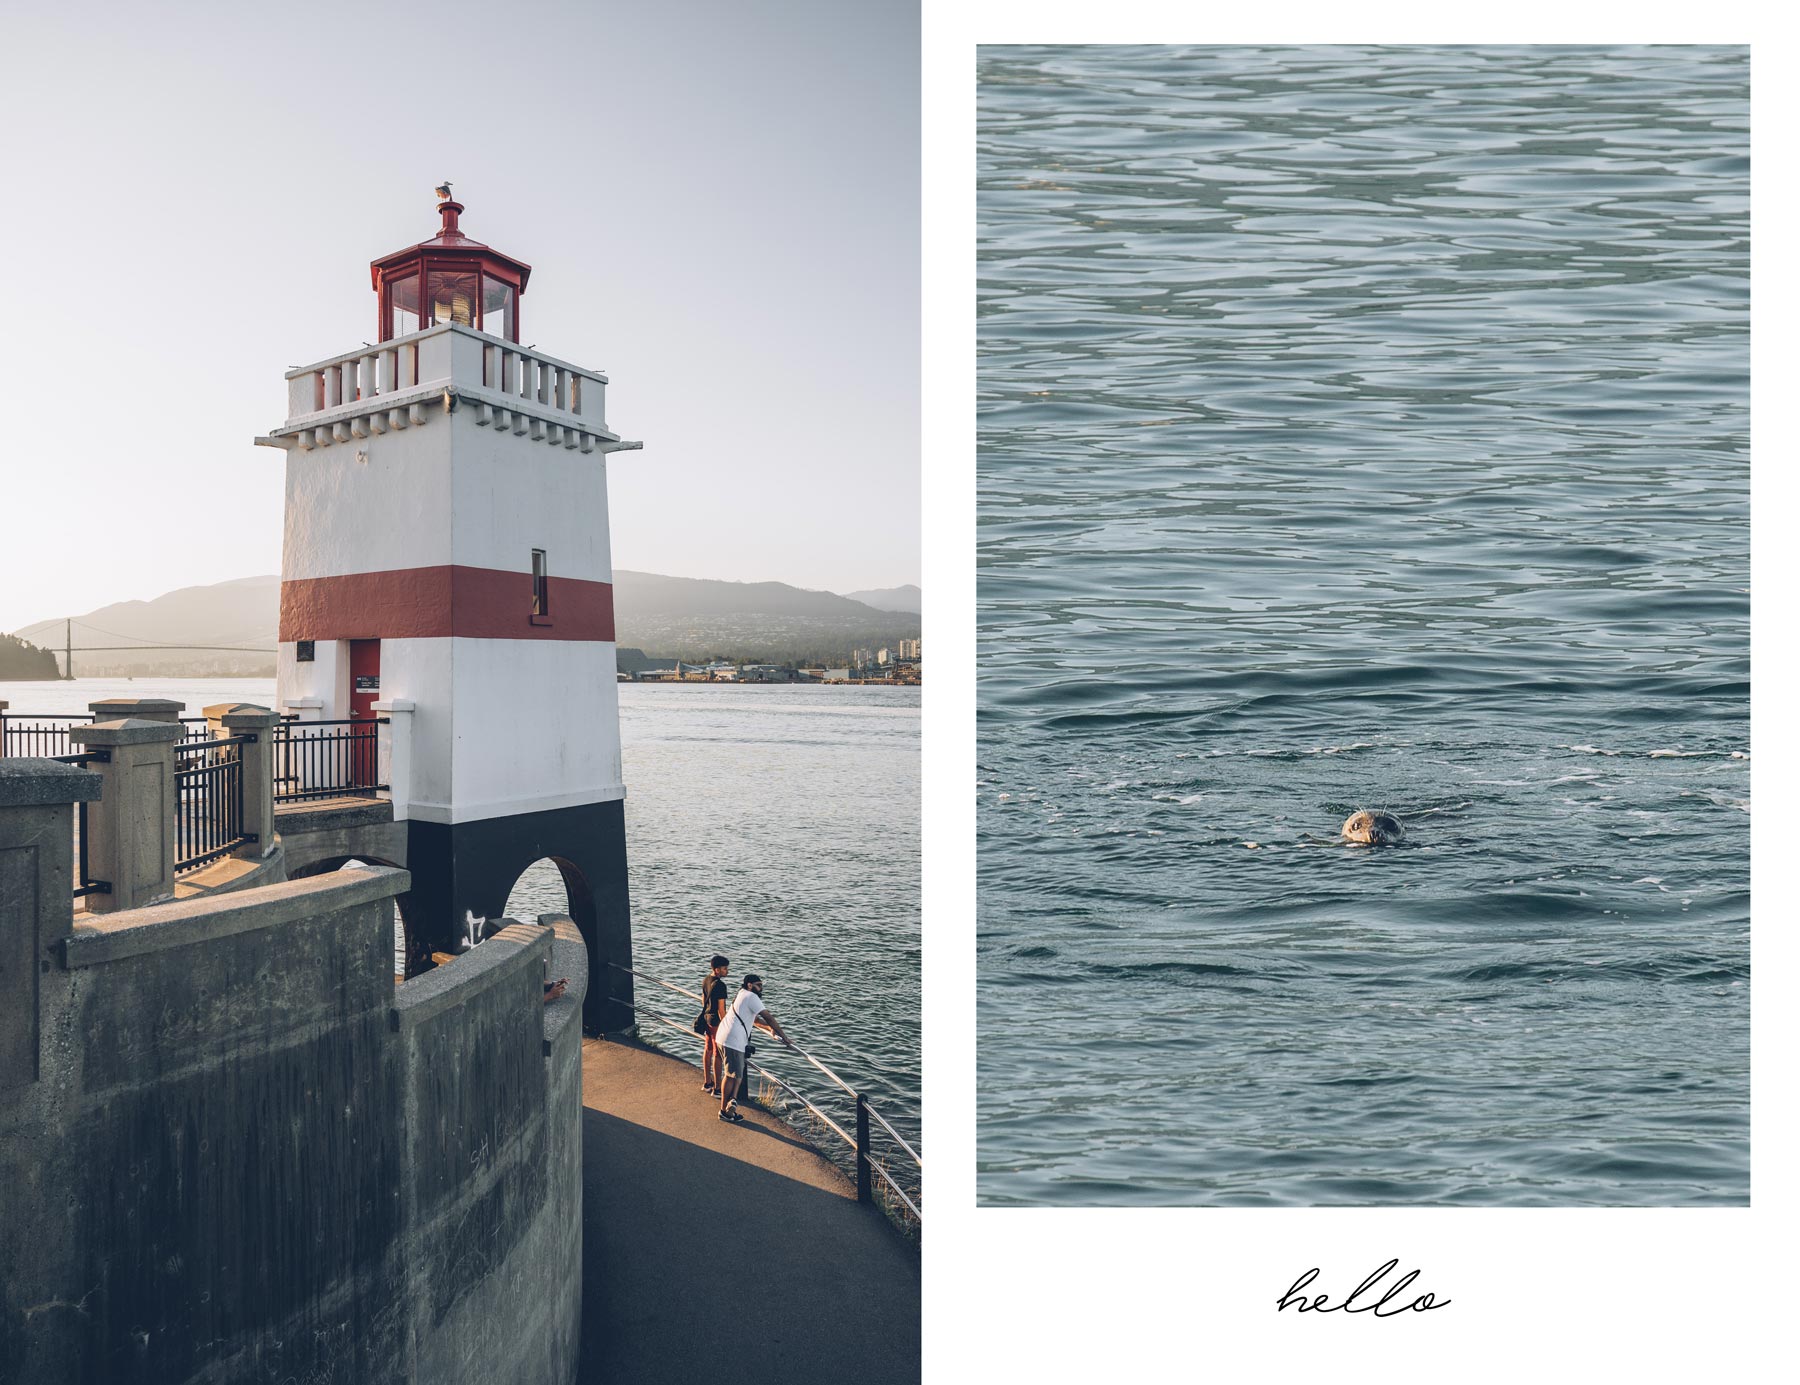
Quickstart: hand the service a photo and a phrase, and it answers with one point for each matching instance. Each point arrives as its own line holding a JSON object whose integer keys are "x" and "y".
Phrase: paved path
{"x": 675, "y": 1202}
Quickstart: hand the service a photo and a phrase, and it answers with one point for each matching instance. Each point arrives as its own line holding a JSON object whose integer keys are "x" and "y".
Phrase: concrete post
{"x": 434, "y": 356}
{"x": 36, "y": 900}
{"x": 394, "y": 742}
{"x": 132, "y": 835}
{"x": 305, "y": 708}
{"x": 215, "y": 716}
{"x": 258, "y": 771}
{"x": 143, "y": 708}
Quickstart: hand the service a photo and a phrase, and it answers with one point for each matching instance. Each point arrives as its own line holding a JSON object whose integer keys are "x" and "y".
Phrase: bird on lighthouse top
{"x": 443, "y": 191}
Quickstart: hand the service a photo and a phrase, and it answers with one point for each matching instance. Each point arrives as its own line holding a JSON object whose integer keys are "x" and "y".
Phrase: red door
{"x": 365, "y": 692}
{"x": 365, "y": 677}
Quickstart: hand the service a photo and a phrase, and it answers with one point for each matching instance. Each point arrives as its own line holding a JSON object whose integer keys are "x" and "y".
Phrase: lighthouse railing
{"x": 415, "y": 369}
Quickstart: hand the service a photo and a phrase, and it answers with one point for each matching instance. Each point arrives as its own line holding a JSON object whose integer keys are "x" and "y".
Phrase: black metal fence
{"x": 45, "y": 734}
{"x": 327, "y": 759}
{"x": 209, "y": 800}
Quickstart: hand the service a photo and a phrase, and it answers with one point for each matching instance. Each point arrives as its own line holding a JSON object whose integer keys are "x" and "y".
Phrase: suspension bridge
{"x": 145, "y": 645}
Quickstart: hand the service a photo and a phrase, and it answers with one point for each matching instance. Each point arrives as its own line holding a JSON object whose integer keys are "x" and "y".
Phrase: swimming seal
{"x": 1373, "y": 829}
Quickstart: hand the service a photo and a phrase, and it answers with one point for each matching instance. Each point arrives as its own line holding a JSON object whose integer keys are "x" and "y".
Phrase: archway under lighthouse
{"x": 556, "y": 885}
{"x": 469, "y": 870}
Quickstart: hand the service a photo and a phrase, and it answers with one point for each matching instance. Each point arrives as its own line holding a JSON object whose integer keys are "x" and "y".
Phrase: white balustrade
{"x": 549, "y": 394}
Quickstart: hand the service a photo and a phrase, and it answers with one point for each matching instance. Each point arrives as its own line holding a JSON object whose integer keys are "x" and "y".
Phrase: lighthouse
{"x": 446, "y": 572}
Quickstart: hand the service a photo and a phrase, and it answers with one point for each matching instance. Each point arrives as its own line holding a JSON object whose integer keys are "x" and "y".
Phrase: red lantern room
{"x": 449, "y": 278}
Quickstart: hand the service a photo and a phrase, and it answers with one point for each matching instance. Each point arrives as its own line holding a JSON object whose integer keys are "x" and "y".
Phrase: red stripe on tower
{"x": 437, "y": 602}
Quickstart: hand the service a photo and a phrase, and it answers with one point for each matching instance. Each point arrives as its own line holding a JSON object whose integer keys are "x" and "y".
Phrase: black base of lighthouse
{"x": 467, "y": 868}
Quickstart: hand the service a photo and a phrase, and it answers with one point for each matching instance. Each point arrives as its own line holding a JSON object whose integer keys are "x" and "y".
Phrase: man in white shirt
{"x": 746, "y": 1012}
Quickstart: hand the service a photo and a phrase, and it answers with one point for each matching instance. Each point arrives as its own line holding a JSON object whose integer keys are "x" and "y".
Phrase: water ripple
{"x": 1364, "y": 427}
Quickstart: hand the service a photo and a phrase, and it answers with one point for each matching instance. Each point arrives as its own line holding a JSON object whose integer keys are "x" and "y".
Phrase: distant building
{"x": 909, "y": 649}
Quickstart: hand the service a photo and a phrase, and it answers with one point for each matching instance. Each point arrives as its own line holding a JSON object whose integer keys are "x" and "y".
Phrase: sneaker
{"x": 708, "y": 1088}
{"x": 731, "y": 1118}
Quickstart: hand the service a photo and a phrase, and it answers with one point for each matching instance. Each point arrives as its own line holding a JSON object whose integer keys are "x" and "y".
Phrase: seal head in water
{"x": 1373, "y": 829}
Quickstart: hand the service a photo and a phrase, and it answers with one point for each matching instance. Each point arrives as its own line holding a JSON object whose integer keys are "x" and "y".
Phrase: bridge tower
{"x": 446, "y": 564}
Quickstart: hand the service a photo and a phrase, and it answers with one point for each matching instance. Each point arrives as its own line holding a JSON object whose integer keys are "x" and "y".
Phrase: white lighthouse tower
{"x": 446, "y": 565}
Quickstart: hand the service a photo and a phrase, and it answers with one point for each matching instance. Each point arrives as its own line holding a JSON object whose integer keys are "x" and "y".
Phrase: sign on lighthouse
{"x": 447, "y": 573}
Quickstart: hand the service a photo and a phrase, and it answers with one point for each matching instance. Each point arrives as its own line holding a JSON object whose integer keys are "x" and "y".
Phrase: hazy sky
{"x": 719, "y": 202}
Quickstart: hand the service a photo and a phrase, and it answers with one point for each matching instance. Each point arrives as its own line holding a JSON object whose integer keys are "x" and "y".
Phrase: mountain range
{"x": 907, "y": 598}
{"x": 663, "y": 617}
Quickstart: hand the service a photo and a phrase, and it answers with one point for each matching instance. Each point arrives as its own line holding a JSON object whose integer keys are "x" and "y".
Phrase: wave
{"x": 1685, "y": 967}
{"x": 1131, "y": 969}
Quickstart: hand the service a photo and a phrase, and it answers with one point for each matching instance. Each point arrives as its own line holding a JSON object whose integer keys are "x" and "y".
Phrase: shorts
{"x": 734, "y": 1060}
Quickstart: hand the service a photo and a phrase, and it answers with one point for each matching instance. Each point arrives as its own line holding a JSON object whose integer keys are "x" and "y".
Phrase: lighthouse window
{"x": 540, "y": 584}
{"x": 497, "y": 307}
{"x": 452, "y": 296}
{"x": 403, "y": 306}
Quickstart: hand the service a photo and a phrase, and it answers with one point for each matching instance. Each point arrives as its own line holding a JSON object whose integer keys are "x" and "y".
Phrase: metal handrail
{"x": 827, "y": 1071}
{"x": 916, "y": 1157}
{"x": 862, "y": 1159}
{"x": 899, "y": 1192}
{"x": 858, "y": 1147}
{"x": 899, "y": 1139}
{"x": 100, "y": 754}
{"x": 666, "y": 985}
{"x": 837, "y": 1129}
{"x": 848, "y": 1089}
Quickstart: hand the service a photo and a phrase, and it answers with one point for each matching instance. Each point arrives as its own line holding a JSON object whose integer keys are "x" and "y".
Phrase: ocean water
{"x": 779, "y": 825}
{"x": 1364, "y": 427}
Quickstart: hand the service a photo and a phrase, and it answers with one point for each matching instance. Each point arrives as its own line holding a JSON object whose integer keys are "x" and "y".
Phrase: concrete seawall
{"x": 233, "y": 1149}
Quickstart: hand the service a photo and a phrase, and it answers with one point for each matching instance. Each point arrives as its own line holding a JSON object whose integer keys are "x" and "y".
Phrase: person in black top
{"x": 715, "y": 997}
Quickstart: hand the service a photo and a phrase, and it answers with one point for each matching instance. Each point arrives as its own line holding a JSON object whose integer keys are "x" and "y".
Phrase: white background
{"x": 1552, "y": 1295}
